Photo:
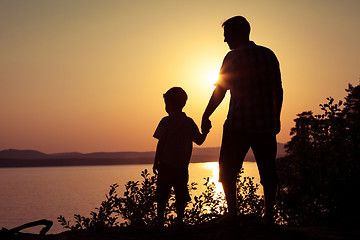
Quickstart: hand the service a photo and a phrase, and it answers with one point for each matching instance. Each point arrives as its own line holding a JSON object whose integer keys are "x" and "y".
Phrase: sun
{"x": 211, "y": 76}
{"x": 201, "y": 74}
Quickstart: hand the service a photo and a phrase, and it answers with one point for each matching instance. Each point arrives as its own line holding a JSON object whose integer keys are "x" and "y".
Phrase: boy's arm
{"x": 158, "y": 153}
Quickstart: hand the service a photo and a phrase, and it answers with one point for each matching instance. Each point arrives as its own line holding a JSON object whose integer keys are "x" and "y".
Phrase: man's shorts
{"x": 169, "y": 177}
{"x": 234, "y": 147}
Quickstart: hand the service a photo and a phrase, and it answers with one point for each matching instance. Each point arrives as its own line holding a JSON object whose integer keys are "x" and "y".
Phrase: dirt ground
{"x": 238, "y": 230}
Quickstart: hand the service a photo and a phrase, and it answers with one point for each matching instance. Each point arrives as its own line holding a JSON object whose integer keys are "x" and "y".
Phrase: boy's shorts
{"x": 234, "y": 147}
{"x": 169, "y": 177}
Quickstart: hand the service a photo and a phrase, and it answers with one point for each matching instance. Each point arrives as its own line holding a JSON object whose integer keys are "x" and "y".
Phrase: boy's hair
{"x": 176, "y": 96}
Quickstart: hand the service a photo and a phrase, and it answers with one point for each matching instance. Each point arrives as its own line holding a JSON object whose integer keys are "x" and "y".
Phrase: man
{"x": 252, "y": 75}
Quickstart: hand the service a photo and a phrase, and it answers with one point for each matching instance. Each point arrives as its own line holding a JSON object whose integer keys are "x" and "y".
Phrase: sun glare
{"x": 202, "y": 75}
{"x": 212, "y": 76}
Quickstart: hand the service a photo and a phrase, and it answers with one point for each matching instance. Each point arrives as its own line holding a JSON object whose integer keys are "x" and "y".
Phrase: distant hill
{"x": 32, "y": 158}
{"x": 32, "y": 154}
{"x": 22, "y": 154}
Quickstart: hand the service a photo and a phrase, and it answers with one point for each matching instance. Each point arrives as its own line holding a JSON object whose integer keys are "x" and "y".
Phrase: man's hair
{"x": 237, "y": 25}
{"x": 176, "y": 96}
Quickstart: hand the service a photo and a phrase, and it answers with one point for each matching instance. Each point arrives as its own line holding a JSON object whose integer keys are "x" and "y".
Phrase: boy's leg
{"x": 181, "y": 193}
{"x": 162, "y": 195}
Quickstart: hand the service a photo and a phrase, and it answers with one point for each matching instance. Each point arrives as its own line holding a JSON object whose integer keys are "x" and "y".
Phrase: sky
{"x": 88, "y": 76}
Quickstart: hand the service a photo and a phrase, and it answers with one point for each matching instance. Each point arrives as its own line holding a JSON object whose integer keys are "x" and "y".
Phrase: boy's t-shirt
{"x": 178, "y": 132}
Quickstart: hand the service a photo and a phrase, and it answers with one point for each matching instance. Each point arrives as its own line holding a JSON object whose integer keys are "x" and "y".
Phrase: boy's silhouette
{"x": 252, "y": 75}
{"x": 175, "y": 133}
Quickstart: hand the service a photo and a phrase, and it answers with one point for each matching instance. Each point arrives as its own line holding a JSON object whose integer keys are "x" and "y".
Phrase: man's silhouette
{"x": 252, "y": 75}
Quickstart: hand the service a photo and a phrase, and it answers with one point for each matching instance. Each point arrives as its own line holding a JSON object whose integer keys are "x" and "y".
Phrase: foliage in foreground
{"x": 136, "y": 208}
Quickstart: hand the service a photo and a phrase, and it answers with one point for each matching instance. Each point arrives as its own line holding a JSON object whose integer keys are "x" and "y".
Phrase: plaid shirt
{"x": 252, "y": 74}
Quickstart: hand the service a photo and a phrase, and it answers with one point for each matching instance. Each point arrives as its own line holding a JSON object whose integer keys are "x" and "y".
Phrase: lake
{"x": 30, "y": 194}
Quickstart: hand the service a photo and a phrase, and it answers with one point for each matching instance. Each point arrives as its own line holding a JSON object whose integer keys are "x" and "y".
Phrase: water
{"x": 30, "y": 194}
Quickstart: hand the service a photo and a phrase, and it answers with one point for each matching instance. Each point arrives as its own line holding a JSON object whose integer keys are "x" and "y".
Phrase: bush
{"x": 106, "y": 215}
{"x": 137, "y": 208}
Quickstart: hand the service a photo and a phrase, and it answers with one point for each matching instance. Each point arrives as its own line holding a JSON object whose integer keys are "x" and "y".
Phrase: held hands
{"x": 205, "y": 125}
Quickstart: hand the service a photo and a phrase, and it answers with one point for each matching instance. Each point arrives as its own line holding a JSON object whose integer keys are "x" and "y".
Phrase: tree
{"x": 319, "y": 175}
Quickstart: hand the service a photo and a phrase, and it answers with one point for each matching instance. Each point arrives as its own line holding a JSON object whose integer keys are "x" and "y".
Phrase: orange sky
{"x": 89, "y": 75}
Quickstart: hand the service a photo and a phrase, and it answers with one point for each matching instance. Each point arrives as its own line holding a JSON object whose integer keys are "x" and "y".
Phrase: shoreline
{"x": 24, "y": 163}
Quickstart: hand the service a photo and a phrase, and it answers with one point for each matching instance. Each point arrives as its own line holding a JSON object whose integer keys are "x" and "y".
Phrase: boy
{"x": 175, "y": 133}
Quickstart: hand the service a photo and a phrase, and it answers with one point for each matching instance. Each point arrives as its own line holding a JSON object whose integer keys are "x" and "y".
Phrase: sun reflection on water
{"x": 211, "y": 170}
{"x": 214, "y": 178}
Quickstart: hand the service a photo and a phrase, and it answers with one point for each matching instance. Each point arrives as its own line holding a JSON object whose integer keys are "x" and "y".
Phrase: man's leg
{"x": 264, "y": 147}
{"x": 180, "y": 209}
{"x": 230, "y": 196}
{"x": 234, "y": 147}
{"x": 270, "y": 191}
{"x": 160, "y": 212}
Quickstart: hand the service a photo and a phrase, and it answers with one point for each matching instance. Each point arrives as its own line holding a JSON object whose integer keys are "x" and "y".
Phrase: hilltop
{"x": 33, "y": 158}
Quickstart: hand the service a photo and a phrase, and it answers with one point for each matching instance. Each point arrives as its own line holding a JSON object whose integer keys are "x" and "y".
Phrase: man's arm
{"x": 278, "y": 101}
{"x": 215, "y": 100}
